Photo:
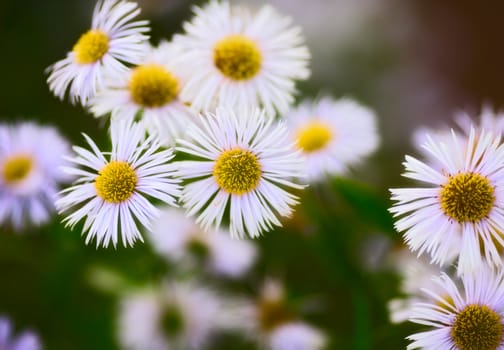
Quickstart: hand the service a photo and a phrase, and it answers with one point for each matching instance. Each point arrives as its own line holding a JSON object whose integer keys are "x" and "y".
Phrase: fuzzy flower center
{"x": 477, "y": 327}
{"x": 172, "y": 320}
{"x": 237, "y": 57}
{"x": 152, "y": 85}
{"x": 91, "y": 47}
{"x": 467, "y": 197}
{"x": 314, "y": 137}
{"x": 237, "y": 171}
{"x": 16, "y": 168}
{"x": 116, "y": 182}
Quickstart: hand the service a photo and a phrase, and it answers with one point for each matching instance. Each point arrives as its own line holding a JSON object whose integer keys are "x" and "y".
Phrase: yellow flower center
{"x": 91, "y": 47}
{"x": 467, "y": 197}
{"x": 237, "y": 57}
{"x": 314, "y": 136}
{"x": 17, "y": 168}
{"x": 237, "y": 171}
{"x": 477, "y": 327}
{"x": 152, "y": 85}
{"x": 116, "y": 182}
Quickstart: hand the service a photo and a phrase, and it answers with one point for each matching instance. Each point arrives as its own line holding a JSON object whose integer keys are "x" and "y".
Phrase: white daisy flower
{"x": 112, "y": 42}
{"x": 24, "y": 341}
{"x": 30, "y": 157}
{"x": 332, "y": 135}
{"x": 462, "y": 208}
{"x": 467, "y": 318}
{"x": 178, "y": 315}
{"x": 152, "y": 89}
{"x": 179, "y": 239}
{"x": 297, "y": 336}
{"x": 416, "y": 274}
{"x": 488, "y": 120}
{"x": 247, "y": 161}
{"x": 113, "y": 188}
{"x": 232, "y": 57}
{"x": 272, "y": 322}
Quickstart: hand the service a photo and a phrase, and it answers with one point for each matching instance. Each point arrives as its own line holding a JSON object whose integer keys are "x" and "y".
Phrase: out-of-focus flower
{"x": 235, "y": 58}
{"x": 112, "y": 190}
{"x": 152, "y": 89}
{"x": 297, "y": 336}
{"x": 416, "y": 274}
{"x": 24, "y": 341}
{"x": 463, "y": 318}
{"x": 246, "y": 160}
{"x": 177, "y": 315}
{"x": 487, "y": 120}
{"x": 105, "y": 50}
{"x": 30, "y": 175}
{"x": 179, "y": 239}
{"x": 462, "y": 208}
{"x": 273, "y": 324}
{"x": 332, "y": 135}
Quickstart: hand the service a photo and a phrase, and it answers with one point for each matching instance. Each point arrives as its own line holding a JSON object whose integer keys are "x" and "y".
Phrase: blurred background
{"x": 415, "y": 63}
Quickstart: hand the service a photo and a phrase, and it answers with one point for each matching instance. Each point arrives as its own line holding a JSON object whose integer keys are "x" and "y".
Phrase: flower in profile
{"x": 152, "y": 89}
{"x": 30, "y": 157}
{"x": 105, "y": 50}
{"x": 245, "y": 162}
{"x": 332, "y": 135}
{"x": 470, "y": 317}
{"x": 235, "y": 58}
{"x": 24, "y": 341}
{"x": 462, "y": 206}
{"x": 113, "y": 189}
{"x": 179, "y": 239}
{"x": 175, "y": 315}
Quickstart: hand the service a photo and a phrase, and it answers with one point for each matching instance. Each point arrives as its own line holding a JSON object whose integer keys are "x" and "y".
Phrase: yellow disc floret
{"x": 152, "y": 85}
{"x": 237, "y": 57}
{"x": 116, "y": 182}
{"x": 16, "y": 168}
{"x": 237, "y": 171}
{"x": 91, "y": 47}
{"x": 477, "y": 327}
{"x": 314, "y": 136}
{"x": 467, "y": 197}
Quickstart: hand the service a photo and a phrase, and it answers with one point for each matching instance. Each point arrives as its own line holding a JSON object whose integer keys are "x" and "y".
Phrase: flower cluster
{"x": 205, "y": 121}
{"x": 457, "y": 218}
{"x": 218, "y": 96}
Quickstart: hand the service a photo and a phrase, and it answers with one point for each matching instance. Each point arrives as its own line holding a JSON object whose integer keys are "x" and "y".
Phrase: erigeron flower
{"x": 488, "y": 120}
{"x": 151, "y": 89}
{"x": 273, "y": 323}
{"x": 470, "y": 317}
{"x": 113, "y": 189}
{"x": 24, "y": 341}
{"x": 30, "y": 157}
{"x": 113, "y": 42}
{"x": 175, "y": 315}
{"x": 179, "y": 239}
{"x": 462, "y": 207}
{"x": 297, "y": 336}
{"x": 235, "y": 58}
{"x": 246, "y": 163}
{"x": 332, "y": 134}
{"x": 416, "y": 274}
